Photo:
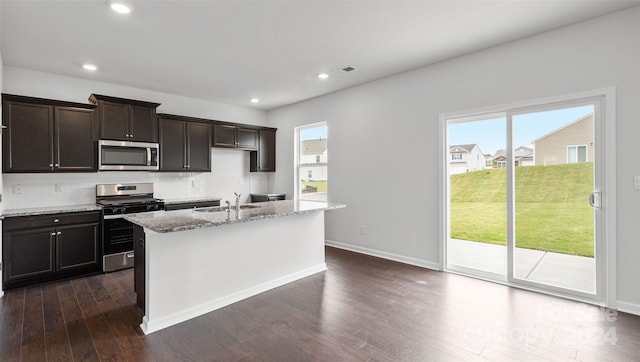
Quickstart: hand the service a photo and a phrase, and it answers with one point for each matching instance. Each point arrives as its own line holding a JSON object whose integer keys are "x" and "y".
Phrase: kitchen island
{"x": 191, "y": 262}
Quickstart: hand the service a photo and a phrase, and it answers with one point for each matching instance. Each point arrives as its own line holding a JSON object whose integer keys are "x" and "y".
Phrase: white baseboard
{"x": 627, "y": 307}
{"x": 384, "y": 255}
{"x": 148, "y": 326}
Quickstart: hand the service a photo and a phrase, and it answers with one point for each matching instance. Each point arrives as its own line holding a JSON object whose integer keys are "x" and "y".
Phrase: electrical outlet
{"x": 362, "y": 230}
{"x": 636, "y": 183}
{"x": 17, "y": 189}
{"x": 59, "y": 188}
{"x": 194, "y": 184}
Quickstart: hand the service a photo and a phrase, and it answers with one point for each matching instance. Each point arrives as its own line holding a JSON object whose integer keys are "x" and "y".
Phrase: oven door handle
{"x": 148, "y": 156}
{"x": 111, "y": 217}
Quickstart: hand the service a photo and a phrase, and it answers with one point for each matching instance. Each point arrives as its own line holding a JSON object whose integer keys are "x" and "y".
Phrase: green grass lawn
{"x": 552, "y": 209}
{"x": 321, "y": 185}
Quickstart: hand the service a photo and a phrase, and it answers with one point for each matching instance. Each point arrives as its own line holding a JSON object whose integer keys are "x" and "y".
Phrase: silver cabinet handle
{"x": 57, "y": 165}
{"x": 56, "y": 220}
{"x": 53, "y": 234}
{"x": 130, "y": 255}
{"x": 59, "y": 232}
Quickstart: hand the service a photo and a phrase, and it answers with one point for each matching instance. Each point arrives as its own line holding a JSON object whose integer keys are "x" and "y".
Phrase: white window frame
{"x": 297, "y": 165}
{"x": 586, "y": 153}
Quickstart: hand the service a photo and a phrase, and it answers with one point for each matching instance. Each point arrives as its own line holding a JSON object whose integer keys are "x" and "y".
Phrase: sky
{"x": 313, "y": 133}
{"x": 490, "y": 134}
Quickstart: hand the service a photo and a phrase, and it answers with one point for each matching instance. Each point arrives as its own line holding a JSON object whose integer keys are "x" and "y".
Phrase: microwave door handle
{"x": 148, "y": 156}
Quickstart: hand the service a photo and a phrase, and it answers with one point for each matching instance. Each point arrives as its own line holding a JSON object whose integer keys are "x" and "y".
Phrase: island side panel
{"x": 193, "y": 272}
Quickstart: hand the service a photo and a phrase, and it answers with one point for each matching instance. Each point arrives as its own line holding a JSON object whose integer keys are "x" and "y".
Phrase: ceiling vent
{"x": 348, "y": 69}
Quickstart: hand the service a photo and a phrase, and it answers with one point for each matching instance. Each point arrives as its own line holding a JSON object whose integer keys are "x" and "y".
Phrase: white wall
{"x": 390, "y": 128}
{"x": 230, "y": 168}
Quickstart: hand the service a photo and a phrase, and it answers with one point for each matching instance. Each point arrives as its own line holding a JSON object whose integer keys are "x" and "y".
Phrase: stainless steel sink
{"x": 224, "y": 208}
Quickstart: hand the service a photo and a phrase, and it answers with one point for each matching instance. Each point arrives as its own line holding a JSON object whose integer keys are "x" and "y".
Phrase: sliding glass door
{"x": 523, "y": 197}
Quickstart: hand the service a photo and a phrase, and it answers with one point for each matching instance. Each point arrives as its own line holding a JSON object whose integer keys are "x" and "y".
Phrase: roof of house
{"x": 523, "y": 152}
{"x": 563, "y": 127}
{"x": 313, "y": 147}
{"x": 462, "y": 148}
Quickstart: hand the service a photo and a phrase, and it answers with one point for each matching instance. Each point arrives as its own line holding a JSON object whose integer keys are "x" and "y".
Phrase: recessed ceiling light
{"x": 323, "y": 75}
{"x": 255, "y": 100}
{"x": 120, "y": 8}
{"x": 90, "y": 67}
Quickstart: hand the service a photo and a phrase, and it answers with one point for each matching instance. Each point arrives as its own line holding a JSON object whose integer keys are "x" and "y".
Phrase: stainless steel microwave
{"x": 127, "y": 156}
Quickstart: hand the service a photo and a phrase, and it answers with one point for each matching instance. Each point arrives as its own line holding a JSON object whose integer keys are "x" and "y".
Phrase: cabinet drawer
{"x": 26, "y": 222}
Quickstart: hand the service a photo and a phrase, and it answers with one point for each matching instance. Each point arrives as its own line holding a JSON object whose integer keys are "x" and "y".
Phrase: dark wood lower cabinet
{"x": 28, "y": 253}
{"x": 139, "y": 266}
{"x": 43, "y": 248}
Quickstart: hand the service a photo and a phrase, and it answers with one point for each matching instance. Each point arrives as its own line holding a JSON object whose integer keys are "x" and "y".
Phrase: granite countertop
{"x": 49, "y": 210}
{"x": 267, "y": 194}
{"x": 180, "y": 220}
{"x": 184, "y": 200}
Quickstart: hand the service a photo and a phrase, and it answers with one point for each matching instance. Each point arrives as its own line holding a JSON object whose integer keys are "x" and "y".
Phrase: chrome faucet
{"x": 237, "y": 201}
{"x": 228, "y": 205}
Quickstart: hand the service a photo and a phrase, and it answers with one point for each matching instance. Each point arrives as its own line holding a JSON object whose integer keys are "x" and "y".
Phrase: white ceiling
{"x": 231, "y": 51}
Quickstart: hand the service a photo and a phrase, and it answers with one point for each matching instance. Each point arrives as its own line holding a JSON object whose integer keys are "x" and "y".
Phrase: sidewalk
{"x": 562, "y": 270}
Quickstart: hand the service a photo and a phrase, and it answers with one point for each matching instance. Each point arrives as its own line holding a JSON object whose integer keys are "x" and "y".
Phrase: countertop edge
{"x": 207, "y": 224}
{"x": 49, "y": 210}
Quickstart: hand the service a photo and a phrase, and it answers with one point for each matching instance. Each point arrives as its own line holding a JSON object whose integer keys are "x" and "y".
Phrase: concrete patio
{"x": 562, "y": 270}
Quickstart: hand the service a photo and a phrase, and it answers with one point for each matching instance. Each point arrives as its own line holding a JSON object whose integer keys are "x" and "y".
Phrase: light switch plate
{"x": 636, "y": 183}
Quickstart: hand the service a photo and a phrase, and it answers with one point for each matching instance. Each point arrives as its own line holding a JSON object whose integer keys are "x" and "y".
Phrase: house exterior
{"x": 465, "y": 158}
{"x": 313, "y": 159}
{"x": 523, "y": 156}
{"x": 569, "y": 144}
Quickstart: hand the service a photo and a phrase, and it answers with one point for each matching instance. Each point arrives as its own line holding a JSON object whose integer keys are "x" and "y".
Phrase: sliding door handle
{"x": 595, "y": 200}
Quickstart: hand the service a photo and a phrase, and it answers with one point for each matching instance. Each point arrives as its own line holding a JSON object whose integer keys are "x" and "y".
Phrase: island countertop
{"x": 180, "y": 220}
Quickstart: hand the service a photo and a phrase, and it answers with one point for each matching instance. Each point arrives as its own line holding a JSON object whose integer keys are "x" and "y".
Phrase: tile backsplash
{"x": 230, "y": 173}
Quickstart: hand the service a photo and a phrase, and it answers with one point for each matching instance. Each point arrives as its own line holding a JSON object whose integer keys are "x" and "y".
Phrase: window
{"x": 456, "y": 156}
{"x": 576, "y": 154}
{"x": 311, "y": 162}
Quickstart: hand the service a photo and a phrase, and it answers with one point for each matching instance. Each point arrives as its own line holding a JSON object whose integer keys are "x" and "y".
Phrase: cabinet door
{"x": 75, "y": 148}
{"x": 77, "y": 246}
{"x": 27, "y": 139}
{"x": 267, "y": 151}
{"x": 139, "y": 267}
{"x": 172, "y": 145}
{"x": 224, "y": 135}
{"x": 28, "y": 253}
{"x": 144, "y": 125}
{"x": 198, "y": 146}
{"x": 114, "y": 121}
{"x": 247, "y": 138}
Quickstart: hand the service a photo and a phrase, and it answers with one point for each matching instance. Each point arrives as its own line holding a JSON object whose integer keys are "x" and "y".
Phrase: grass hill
{"x": 552, "y": 208}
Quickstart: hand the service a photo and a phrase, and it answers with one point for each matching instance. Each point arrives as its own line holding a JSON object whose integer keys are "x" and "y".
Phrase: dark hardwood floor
{"x": 362, "y": 308}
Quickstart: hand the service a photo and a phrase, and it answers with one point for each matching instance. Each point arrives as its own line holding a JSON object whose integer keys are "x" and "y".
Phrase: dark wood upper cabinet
{"x": 185, "y": 144}
{"x": 264, "y": 159}
{"x": 43, "y": 135}
{"x": 247, "y": 138}
{"x": 198, "y": 146}
{"x": 74, "y": 144}
{"x": 233, "y": 136}
{"x": 224, "y": 135}
{"x": 126, "y": 119}
{"x": 172, "y": 145}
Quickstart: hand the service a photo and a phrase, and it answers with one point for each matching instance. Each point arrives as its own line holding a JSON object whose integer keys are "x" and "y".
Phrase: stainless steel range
{"x": 116, "y": 201}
